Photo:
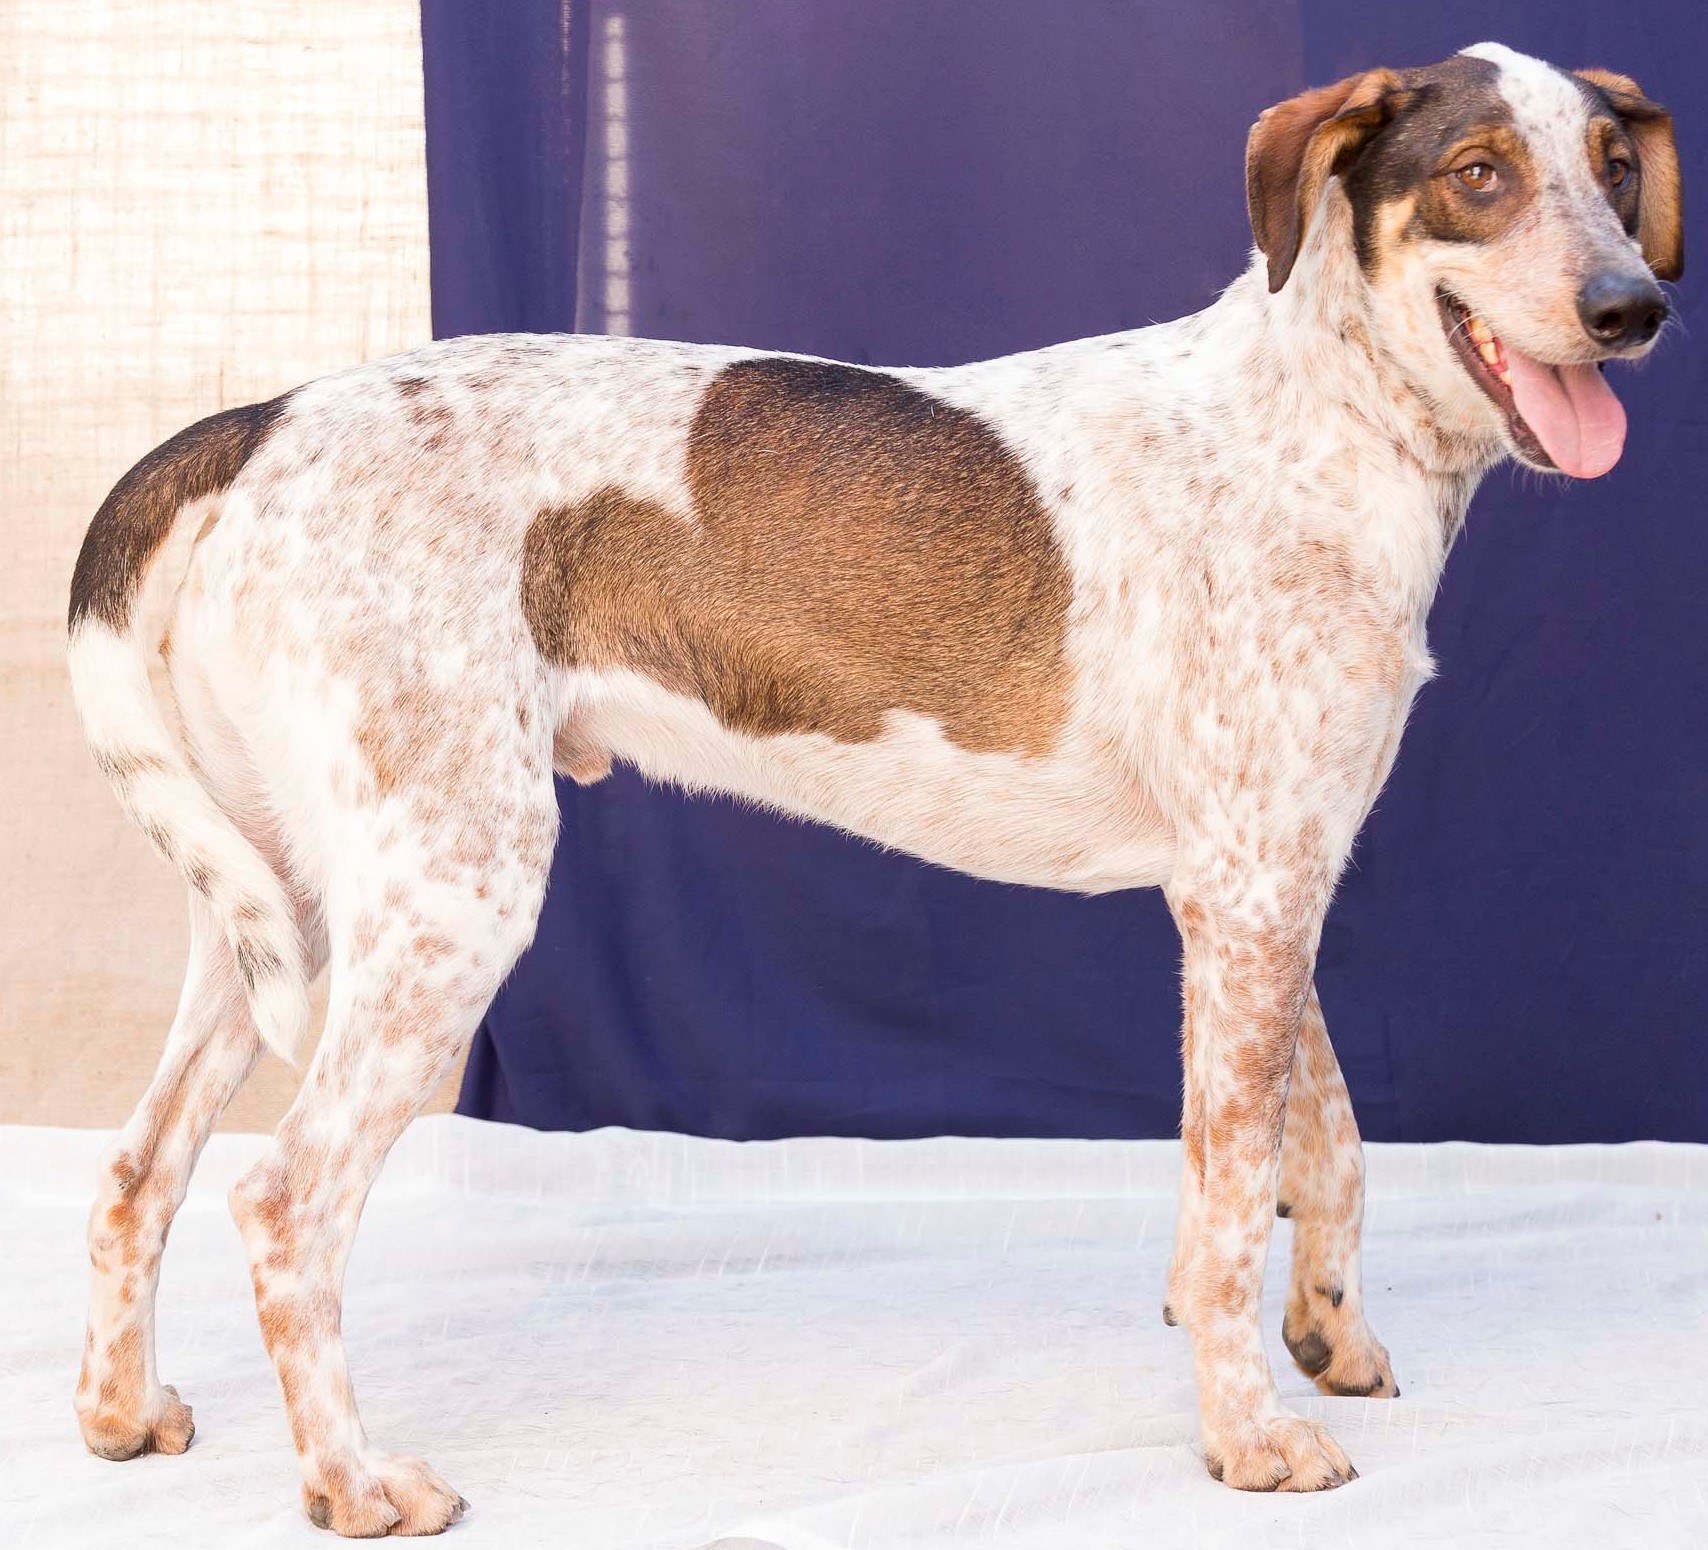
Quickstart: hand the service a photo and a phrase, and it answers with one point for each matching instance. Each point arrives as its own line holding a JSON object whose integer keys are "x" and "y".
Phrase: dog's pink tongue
{"x": 1572, "y": 410}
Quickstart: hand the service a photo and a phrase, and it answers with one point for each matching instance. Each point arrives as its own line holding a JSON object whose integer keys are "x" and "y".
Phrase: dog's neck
{"x": 1314, "y": 340}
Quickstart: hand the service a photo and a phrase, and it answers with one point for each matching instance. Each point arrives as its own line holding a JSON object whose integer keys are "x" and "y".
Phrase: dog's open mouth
{"x": 1563, "y": 417}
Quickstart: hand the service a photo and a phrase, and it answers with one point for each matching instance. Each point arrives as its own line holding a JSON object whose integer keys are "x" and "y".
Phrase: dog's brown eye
{"x": 1479, "y": 175}
{"x": 1618, "y": 170}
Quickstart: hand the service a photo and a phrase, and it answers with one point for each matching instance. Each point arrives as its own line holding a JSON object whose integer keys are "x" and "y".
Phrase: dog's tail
{"x": 129, "y": 738}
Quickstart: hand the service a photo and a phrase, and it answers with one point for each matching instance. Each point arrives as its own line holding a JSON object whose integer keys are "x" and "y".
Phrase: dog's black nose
{"x": 1622, "y": 309}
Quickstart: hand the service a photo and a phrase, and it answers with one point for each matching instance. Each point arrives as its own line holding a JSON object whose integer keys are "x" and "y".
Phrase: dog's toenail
{"x": 1282, "y": 1208}
{"x": 320, "y": 1511}
{"x": 1168, "y": 1317}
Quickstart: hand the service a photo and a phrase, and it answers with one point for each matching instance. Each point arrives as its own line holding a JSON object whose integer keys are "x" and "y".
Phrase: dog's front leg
{"x": 1249, "y": 938}
{"x": 1322, "y": 1189}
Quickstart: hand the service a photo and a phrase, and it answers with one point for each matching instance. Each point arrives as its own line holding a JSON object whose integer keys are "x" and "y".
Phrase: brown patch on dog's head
{"x": 1652, "y": 204}
{"x": 1444, "y": 114}
{"x": 1296, "y": 147}
{"x": 856, "y": 546}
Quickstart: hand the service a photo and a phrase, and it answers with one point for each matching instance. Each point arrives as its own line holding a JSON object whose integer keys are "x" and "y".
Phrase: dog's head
{"x": 1511, "y": 221}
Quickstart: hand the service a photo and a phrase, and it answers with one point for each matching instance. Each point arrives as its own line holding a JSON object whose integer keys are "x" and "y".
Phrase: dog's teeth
{"x": 1488, "y": 347}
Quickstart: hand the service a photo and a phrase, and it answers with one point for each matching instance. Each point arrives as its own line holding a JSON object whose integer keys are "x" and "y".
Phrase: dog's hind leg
{"x": 122, "y": 1406}
{"x": 425, "y": 918}
{"x": 1322, "y": 1190}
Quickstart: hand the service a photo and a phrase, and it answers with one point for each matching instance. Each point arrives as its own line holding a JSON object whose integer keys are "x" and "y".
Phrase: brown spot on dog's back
{"x": 856, "y": 547}
{"x": 137, "y": 516}
{"x": 428, "y": 410}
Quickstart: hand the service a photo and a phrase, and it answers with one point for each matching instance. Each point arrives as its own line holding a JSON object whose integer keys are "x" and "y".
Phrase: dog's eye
{"x": 1478, "y": 175}
{"x": 1618, "y": 171}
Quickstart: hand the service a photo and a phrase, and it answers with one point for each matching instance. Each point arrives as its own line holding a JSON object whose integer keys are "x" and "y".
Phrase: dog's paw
{"x": 164, "y": 1425}
{"x": 386, "y": 1494}
{"x": 1278, "y": 1453}
{"x": 1333, "y": 1345}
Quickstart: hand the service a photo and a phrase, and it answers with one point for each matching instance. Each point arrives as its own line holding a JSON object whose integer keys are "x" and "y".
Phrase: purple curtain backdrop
{"x": 1517, "y": 953}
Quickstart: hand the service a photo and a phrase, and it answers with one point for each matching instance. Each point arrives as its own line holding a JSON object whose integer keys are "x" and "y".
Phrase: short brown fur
{"x": 1296, "y": 147}
{"x": 1660, "y": 217}
{"x": 857, "y": 547}
{"x": 136, "y": 518}
{"x": 1447, "y": 213}
{"x": 1440, "y": 114}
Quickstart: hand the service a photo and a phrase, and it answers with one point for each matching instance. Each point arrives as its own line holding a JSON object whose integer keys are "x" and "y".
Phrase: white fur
{"x": 121, "y": 718}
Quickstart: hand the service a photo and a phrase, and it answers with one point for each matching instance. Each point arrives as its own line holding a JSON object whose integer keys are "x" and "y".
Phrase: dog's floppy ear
{"x": 1297, "y": 146}
{"x": 1660, "y": 204}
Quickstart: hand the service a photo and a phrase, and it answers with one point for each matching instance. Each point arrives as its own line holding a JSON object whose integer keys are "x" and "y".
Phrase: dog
{"x": 1144, "y": 610}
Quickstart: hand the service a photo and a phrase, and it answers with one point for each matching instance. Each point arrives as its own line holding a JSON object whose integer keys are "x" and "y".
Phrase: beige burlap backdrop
{"x": 201, "y": 204}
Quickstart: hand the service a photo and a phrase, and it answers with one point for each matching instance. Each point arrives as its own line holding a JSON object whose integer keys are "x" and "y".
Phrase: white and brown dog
{"x": 1145, "y": 610}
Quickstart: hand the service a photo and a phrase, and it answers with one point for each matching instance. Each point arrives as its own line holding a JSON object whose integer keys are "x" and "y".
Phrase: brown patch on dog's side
{"x": 135, "y": 519}
{"x": 1657, "y": 219}
{"x": 856, "y": 547}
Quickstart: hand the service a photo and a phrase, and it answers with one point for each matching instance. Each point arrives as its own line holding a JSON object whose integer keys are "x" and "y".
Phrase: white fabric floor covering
{"x": 619, "y": 1339}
